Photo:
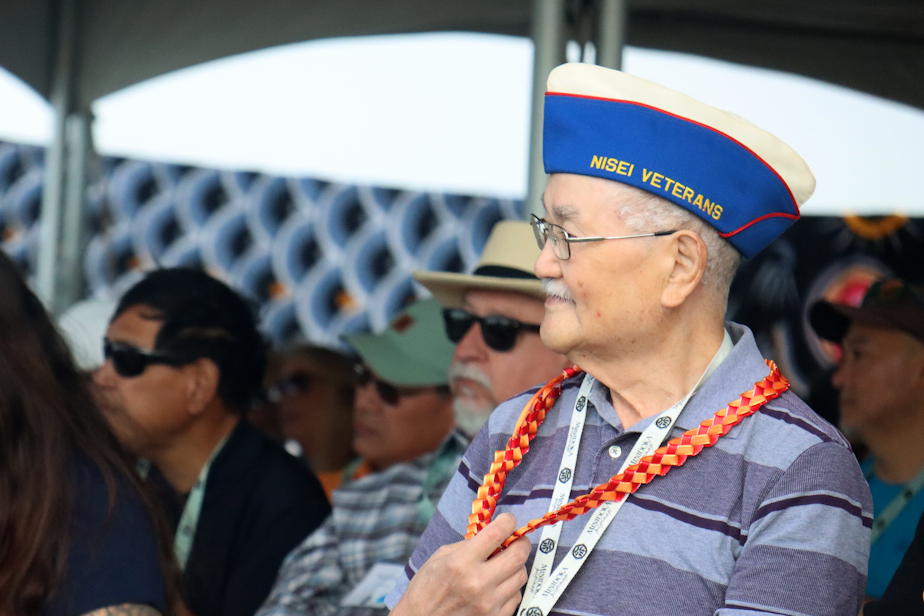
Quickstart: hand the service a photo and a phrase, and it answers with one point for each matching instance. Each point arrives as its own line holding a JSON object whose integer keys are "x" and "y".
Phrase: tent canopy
{"x": 876, "y": 46}
{"x": 75, "y": 51}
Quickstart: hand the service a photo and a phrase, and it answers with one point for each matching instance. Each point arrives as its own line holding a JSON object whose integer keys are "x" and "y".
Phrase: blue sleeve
{"x": 113, "y": 558}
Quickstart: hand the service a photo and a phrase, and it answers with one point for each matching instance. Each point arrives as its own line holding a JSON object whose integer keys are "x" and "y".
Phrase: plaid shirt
{"x": 375, "y": 519}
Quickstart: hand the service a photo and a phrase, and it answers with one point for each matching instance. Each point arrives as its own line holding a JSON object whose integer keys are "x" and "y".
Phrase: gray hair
{"x": 644, "y": 212}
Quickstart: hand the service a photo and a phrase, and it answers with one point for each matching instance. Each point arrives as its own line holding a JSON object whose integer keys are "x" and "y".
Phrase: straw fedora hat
{"x": 506, "y": 264}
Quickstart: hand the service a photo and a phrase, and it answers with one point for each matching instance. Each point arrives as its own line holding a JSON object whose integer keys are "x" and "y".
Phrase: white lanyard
{"x": 186, "y": 531}
{"x": 544, "y": 589}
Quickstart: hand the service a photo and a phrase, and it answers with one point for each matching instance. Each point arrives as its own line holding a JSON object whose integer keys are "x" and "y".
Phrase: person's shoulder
{"x": 792, "y": 411}
{"x": 274, "y": 487}
{"x": 104, "y": 539}
{"x": 784, "y": 430}
{"x": 97, "y": 500}
{"x": 275, "y": 468}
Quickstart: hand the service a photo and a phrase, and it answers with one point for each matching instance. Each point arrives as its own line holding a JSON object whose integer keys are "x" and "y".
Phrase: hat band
{"x": 690, "y": 164}
{"x": 502, "y": 271}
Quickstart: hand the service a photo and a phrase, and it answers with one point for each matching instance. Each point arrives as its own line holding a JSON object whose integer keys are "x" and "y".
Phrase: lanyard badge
{"x": 544, "y": 588}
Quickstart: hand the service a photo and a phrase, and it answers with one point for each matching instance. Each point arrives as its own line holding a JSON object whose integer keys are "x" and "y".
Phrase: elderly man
{"x": 403, "y": 432}
{"x": 493, "y": 316}
{"x": 755, "y": 505}
{"x": 881, "y": 383}
{"x": 184, "y": 361}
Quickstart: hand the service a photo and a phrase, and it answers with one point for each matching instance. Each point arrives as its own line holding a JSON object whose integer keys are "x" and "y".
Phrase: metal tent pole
{"x": 548, "y": 39}
{"x": 611, "y": 35}
{"x": 73, "y": 236}
{"x": 58, "y": 271}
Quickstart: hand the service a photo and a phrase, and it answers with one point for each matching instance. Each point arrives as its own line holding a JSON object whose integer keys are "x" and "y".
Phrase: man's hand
{"x": 463, "y": 579}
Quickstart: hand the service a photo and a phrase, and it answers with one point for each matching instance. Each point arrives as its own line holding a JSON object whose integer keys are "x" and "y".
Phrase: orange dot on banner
{"x": 344, "y": 301}
{"x": 276, "y": 290}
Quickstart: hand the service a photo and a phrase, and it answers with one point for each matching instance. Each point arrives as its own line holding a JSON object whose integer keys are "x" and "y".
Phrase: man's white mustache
{"x": 556, "y": 287}
{"x": 471, "y": 372}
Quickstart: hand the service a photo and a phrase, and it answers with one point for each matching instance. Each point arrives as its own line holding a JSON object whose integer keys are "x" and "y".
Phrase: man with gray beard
{"x": 493, "y": 316}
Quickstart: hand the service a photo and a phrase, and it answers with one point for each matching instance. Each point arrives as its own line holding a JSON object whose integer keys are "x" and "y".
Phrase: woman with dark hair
{"x": 75, "y": 534}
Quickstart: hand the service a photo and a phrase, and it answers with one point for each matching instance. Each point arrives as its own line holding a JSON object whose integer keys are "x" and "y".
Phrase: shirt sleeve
{"x": 807, "y": 545}
{"x": 311, "y": 579}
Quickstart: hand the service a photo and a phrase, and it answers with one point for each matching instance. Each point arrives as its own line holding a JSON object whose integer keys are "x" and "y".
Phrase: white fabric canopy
{"x": 875, "y": 46}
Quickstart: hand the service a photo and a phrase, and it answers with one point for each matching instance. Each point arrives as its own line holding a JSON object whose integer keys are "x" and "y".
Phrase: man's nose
{"x": 547, "y": 265}
{"x": 104, "y": 376}
{"x": 472, "y": 347}
{"x": 367, "y": 399}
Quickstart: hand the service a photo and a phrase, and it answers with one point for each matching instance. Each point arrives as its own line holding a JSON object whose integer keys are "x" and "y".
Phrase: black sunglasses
{"x": 389, "y": 394}
{"x": 293, "y": 385}
{"x": 130, "y": 361}
{"x": 499, "y": 332}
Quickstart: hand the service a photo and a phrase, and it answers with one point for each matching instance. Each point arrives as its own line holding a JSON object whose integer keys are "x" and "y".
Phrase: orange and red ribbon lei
{"x": 675, "y": 453}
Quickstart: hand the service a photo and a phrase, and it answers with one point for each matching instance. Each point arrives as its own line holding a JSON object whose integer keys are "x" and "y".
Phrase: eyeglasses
{"x": 891, "y": 291}
{"x": 562, "y": 240}
{"x": 389, "y": 394}
{"x": 293, "y": 385}
{"x": 130, "y": 361}
{"x": 499, "y": 332}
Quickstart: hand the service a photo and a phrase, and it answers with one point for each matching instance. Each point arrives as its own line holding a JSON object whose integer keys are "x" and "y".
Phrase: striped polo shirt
{"x": 774, "y": 518}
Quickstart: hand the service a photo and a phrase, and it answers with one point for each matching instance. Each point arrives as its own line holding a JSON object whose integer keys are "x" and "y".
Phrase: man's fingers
{"x": 511, "y": 605}
{"x": 512, "y": 561}
{"x": 491, "y": 536}
{"x": 521, "y": 546}
{"x": 512, "y": 580}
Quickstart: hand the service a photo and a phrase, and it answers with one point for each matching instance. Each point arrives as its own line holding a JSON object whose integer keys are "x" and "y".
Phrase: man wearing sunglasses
{"x": 403, "y": 433}
{"x": 184, "y": 362}
{"x": 673, "y": 473}
{"x": 880, "y": 378}
{"x": 493, "y": 317}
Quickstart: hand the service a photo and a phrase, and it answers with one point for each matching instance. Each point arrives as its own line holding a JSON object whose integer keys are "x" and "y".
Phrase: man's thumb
{"x": 492, "y": 535}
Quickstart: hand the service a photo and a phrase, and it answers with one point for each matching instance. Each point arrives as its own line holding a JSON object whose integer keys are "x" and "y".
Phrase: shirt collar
{"x": 743, "y": 367}
{"x": 736, "y": 373}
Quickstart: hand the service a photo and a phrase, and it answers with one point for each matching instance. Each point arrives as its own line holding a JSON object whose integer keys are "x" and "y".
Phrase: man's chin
{"x": 555, "y": 338}
{"x": 471, "y": 414}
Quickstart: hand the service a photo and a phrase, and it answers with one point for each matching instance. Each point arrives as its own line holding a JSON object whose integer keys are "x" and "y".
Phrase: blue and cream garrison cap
{"x": 740, "y": 179}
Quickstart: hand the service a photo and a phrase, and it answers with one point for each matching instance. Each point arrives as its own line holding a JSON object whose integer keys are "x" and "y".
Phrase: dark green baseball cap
{"x": 413, "y": 352}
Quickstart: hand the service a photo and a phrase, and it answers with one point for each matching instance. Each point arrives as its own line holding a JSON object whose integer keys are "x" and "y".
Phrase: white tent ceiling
{"x": 876, "y": 46}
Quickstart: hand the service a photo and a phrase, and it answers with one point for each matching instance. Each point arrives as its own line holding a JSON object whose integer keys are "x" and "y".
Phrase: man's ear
{"x": 687, "y": 262}
{"x": 204, "y": 376}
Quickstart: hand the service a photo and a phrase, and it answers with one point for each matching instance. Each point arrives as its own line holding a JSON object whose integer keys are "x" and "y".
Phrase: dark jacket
{"x": 260, "y": 503}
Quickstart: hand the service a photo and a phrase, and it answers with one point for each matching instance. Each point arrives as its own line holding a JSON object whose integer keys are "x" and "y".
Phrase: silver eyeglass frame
{"x": 543, "y": 231}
